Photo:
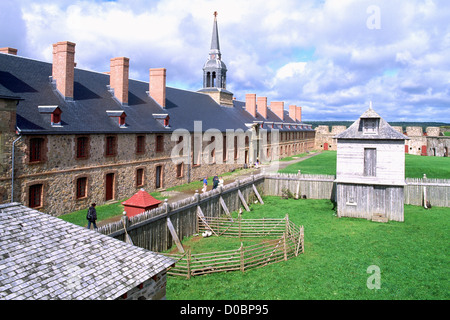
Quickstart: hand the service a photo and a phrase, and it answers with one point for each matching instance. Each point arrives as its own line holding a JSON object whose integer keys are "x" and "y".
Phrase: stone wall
{"x": 60, "y": 169}
{"x": 324, "y": 138}
{"x": 152, "y": 289}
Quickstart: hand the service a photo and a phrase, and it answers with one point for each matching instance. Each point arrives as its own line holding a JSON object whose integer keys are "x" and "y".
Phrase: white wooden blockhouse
{"x": 370, "y": 170}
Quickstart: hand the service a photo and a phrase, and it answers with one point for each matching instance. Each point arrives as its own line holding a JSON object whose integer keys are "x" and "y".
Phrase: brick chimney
{"x": 278, "y": 109}
{"x": 293, "y": 112}
{"x": 157, "y": 87}
{"x": 298, "y": 113}
{"x": 8, "y": 50}
{"x": 250, "y": 104}
{"x": 261, "y": 103}
{"x": 63, "y": 67}
{"x": 118, "y": 78}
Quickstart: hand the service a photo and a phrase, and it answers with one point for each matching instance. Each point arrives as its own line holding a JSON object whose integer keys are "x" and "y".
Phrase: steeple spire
{"x": 215, "y": 47}
{"x": 214, "y": 70}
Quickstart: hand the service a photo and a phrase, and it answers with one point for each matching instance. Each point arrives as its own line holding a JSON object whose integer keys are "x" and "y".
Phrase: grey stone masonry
{"x": 45, "y": 258}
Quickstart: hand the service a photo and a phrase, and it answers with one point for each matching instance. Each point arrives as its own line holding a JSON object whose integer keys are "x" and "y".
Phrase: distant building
{"x": 370, "y": 170}
{"x": 45, "y": 258}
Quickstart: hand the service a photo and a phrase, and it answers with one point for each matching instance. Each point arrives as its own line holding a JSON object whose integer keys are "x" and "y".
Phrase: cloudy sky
{"x": 332, "y": 57}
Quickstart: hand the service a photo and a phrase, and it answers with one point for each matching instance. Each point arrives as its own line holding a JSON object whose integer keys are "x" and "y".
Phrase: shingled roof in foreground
{"x": 44, "y": 257}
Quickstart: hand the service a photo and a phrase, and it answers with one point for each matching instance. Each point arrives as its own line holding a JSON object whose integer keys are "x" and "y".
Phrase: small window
{"x": 140, "y": 144}
{"x": 36, "y": 149}
{"x": 139, "y": 177}
{"x": 81, "y": 188}
{"x": 122, "y": 120}
{"x": 35, "y": 196}
{"x": 159, "y": 143}
{"x": 56, "y": 117}
{"x": 224, "y": 149}
{"x": 82, "y": 147}
{"x": 110, "y": 146}
{"x": 370, "y": 126}
{"x": 180, "y": 170}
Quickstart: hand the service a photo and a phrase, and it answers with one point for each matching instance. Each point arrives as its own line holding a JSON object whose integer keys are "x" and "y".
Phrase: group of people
{"x": 217, "y": 181}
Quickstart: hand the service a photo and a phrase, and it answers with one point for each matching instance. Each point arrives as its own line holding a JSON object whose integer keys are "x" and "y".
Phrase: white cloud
{"x": 403, "y": 63}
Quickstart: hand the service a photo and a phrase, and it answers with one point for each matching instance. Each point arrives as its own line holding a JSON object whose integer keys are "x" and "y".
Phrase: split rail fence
{"x": 280, "y": 240}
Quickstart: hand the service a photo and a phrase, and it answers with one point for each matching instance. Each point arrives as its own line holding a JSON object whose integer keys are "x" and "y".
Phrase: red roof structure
{"x": 140, "y": 202}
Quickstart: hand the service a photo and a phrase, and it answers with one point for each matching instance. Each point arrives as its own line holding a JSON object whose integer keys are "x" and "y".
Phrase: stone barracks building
{"x": 69, "y": 137}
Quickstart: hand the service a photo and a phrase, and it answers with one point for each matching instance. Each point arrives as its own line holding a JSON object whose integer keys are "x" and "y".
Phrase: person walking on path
{"x": 215, "y": 181}
{"x": 205, "y": 184}
{"x": 92, "y": 216}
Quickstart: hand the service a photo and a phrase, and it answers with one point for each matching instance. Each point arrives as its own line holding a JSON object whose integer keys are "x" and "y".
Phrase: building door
{"x": 109, "y": 187}
{"x": 158, "y": 178}
{"x": 379, "y": 200}
{"x": 406, "y": 148}
{"x": 325, "y": 146}
{"x": 424, "y": 151}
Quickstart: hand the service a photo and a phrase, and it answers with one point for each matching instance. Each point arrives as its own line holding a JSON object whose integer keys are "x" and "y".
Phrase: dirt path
{"x": 174, "y": 196}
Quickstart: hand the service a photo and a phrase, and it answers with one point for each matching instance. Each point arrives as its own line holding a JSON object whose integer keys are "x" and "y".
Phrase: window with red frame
{"x": 159, "y": 143}
{"x": 179, "y": 170}
{"x": 36, "y": 149}
{"x": 35, "y": 196}
{"x": 140, "y": 144}
{"x": 81, "y": 187}
{"x": 110, "y": 146}
{"x": 56, "y": 116}
{"x": 139, "y": 177}
{"x": 82, "y": 147}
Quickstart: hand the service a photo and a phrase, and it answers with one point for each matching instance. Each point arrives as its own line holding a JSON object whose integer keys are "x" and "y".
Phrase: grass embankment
{"x": 415, "y": 166}
{"x": 412, "y": 257}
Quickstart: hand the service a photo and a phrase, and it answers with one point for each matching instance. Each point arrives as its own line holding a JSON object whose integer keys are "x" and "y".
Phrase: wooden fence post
{"x": 284, "y": 246}
{"x": 174, "y": 235}
{"x": 257, "y": 194}
{"x": 240, "y": 218}
{"x": 188, "y": 257}
{"x": 302, "y": 238}
{"x": 241, "y": 249}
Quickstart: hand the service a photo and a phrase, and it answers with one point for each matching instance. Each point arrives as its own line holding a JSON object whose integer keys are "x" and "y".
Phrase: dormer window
{"x": 120, "y": 115}
{"x": 162, "y": 118}
{"x": 54, "y": 112}
{"x": 122, "y": 120}
{"x": 370, "y": 126}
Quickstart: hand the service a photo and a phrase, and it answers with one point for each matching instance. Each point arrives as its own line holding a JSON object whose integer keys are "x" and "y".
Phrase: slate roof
{"x": 44, "y": 257}
{"x": 385, "y": 131}
{"x": 93, "y": 104}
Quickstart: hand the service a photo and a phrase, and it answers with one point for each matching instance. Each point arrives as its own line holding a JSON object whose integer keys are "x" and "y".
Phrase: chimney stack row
{"x": 278, "y": 109}
{"x": 118, "y": 78}
{"x": 157, "y": 86}
{"x": 250, "y": 104}
{"x": 63, "y": 67}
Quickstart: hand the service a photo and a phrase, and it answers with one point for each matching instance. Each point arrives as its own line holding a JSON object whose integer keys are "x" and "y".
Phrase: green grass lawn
{"x": 415, "y": 166}
{"x": 115, "y": 209}
{"x": 104, "y": 212}
{"x": 324, "y": 163}
{"x": 413, "y": 257}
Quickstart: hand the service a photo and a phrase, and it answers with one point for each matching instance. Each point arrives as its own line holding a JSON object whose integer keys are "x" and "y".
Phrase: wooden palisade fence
{"x": 282, "y": 241}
